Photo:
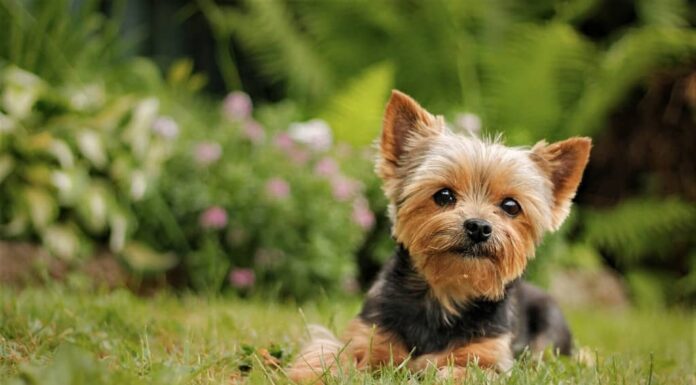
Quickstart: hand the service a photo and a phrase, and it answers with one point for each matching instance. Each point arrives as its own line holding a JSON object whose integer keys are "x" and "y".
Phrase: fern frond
{"x": 283, "y": 52}
{"x": 639, "y": 228}
{"x": 355, "y": 114}
{"x": 624, "y": 65}
{"x": 59, "y": 39}
{"x": 531, "y": 80}
{"x": 665, "y": 13}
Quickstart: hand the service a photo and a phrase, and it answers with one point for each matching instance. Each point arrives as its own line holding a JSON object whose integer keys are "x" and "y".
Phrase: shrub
{"x": 234, "y": 203}
{"x": 73, "y": 161}
{"x": 244, "y": 203}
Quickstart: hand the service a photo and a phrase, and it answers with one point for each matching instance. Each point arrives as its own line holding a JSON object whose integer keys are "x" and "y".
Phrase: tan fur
{"x": 322, "y": 355}
{"x": 362, "y": 345}
{"x": 563, "y": 162}
{"x": 490, "y": 353}
{"x": 372, "y": 347}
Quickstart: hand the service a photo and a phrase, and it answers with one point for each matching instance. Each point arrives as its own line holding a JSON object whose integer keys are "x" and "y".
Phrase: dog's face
{"x": 470, "y": 212}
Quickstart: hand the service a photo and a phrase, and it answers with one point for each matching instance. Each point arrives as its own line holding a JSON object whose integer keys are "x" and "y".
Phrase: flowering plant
{"x": 254, "y": 207}
{"x": 233, "y": 203}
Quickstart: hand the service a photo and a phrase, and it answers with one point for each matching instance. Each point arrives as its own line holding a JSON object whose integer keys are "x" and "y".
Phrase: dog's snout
{"x": 478, "y": 230}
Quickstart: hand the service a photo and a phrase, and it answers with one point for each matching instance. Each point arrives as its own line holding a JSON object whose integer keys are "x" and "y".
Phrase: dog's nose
{"x": 478, "y": 230}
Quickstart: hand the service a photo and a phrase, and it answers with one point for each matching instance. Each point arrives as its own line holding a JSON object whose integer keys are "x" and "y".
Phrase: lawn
{"x": 61, "y": 335}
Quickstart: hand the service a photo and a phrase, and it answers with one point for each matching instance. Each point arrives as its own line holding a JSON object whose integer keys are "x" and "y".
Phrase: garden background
{"x": 218, "y": 154}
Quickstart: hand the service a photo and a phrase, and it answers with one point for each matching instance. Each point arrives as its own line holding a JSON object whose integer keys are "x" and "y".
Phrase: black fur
{"x": 400, "y": 303}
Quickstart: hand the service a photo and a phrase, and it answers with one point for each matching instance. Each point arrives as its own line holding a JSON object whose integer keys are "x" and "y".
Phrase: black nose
{"x": 478, "y": 230}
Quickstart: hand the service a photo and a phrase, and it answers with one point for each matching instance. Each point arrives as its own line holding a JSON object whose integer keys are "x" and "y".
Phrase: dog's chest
{"x": 427, "y": 329}
{"x": 401, "y": 304}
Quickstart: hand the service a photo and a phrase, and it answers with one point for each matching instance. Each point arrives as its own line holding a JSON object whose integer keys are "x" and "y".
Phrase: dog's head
{"x": 471, "y": 211}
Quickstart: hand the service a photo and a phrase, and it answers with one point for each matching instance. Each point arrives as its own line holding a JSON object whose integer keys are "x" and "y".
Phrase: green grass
{"x": 58, "y": 335}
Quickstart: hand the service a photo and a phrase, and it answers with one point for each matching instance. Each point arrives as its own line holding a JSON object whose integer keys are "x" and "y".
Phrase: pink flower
{"x": 237, "y": 106}
{"x": 283, "y": 141}
{"x": 343, "y": 188}
{"x": 215, "y": 217}
{"x": 207, "y": 153}
{"x": 277, "y": 188}
{"x": 165, "y": 127}
{"x": 242, "y": 278}
{"x": 362, "y": 215}
{"x": 326, "y": 167}
{"x": 254, "y": 131}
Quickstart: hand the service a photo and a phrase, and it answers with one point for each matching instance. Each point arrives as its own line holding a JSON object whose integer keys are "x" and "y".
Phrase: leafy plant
{"x": 61, "y": 40}
{"x": 65, "y": 180}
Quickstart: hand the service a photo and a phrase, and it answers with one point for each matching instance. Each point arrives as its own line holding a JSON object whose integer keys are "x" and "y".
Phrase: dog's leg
{"x": 373, "y": 347}
{"x": 320, "y": 356}
{"x": 489, "y": 353}
{"x": 364, "y": 345}
{"x": 542, "y": 322}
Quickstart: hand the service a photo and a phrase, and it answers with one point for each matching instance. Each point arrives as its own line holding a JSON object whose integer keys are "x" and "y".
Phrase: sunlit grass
{"x": 58, "y": 336}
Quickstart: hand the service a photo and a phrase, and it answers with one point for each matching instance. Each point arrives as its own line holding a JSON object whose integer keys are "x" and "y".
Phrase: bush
{"x": 241, "y": 199}
{"x": 74, "y": 160}
{"x": 229, "y": 200}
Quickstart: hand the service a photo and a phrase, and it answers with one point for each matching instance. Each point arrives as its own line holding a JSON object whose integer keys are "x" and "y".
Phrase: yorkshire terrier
{"x": 467, "y": 214}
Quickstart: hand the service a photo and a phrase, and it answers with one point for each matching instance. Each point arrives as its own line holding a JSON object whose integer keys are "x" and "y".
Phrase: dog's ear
{"x": 563, "y": 163}
{"x": 405, "y": 124}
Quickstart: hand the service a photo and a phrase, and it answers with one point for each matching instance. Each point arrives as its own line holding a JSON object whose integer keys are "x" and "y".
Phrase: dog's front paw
{"x": 451, "y": 375}
{"x": 306, "y": 375}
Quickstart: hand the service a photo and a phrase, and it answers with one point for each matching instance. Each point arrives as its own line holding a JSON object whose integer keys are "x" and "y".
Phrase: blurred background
{"x": 225, "y": 146}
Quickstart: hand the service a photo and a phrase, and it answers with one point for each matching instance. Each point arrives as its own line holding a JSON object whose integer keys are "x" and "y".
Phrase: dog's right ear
{"x": 405, "y": 124}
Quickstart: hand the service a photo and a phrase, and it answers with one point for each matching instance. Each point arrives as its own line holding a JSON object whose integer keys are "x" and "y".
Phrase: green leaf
{"x": 533, "y": 78}
{"x": 118, "y": 223}
{"x": 355, "y": 113}
{"x": 95, "y": 206}
{"x": 63, "y": 241}
{"x": 92, "y": 147}
{"x": 666, "y": 13}
{"x": 138, "y": 131}
{"x": 623, "y": 66}
{"x": 143, "y": 259}
{"x": 21, "y": 91}
{"x": 637, "y": 228}
{"x": 7, "y": 164}
{"x": 42, "y": 207}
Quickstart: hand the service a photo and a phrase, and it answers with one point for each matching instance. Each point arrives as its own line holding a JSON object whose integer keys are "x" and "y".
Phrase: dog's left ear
{"x": 406, "y": 123}
{"x": 563, "y": 162}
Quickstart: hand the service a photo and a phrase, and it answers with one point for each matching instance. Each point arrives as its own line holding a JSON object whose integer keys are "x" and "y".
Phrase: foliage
{"x": 641, "y": 228}
{"x": 218, "y": 193}
{"x": 60, "y": 40}
{"x": 57, "y": 336}
{"x": 64, "y": 178}
{"x": 527, "y": 71}
{"x": 355, "y": 113}
{"x": 528, "y": 77}
{"x": 296, "y": 229}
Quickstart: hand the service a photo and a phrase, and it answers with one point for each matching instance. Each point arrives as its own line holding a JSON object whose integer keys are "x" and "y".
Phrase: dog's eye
{"x": 444, "y": 197}
{"x": 510, "y": 206}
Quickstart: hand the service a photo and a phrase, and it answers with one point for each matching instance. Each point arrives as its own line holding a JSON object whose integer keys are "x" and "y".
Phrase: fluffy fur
{"x": 445, "y": 298}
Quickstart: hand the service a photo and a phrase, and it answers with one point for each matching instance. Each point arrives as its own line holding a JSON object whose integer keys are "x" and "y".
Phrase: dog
{"x": 467, "y": 214}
